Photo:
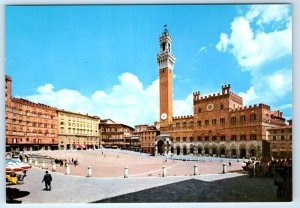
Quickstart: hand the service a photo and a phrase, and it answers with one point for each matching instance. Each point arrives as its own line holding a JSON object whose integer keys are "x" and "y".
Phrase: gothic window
{"x": 222, "y": 138}
{"x": 243, "y": 137}
{"x": 233, "y": 138}
{"x": 177, "y": 125}
{"x": 242, "y": 118}
{"x": 199, "y": 110}
{"x": 199, "y": 123}
{"x": 191, "y": 139}
{"x": 206, "y": 138}
{"x": 221, "y": 106}
{"x": 222, "y": 120}
{"x": 233, "y": 119}
{"x": 184, "y": 124}
{"x": 252, "y": 117}
{"x": 199, "y": 139}
{"x": 214, "y": 138}
{"x": 253, "y": 137}
{"x": 177, "y": 139}
{"x": 191, "y": 123}
{"x": 206, "y": 122}
{"x": 214, "y": 121}
{"x": 184, "y": 139}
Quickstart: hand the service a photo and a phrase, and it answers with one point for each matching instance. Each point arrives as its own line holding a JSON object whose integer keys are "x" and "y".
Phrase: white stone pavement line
{"x": 154, "y": 170}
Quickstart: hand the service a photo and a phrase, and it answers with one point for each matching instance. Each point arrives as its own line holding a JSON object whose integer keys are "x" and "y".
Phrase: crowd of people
{"x": 65, "y": 162}
{"x": 278, "y": 169}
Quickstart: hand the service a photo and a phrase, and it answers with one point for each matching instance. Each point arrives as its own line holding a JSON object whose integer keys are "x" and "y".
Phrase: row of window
{"x": 34, "y": 141}
{"x": 79, "y": 125}
{"x": 214, "y": 121}
{"x": 215, "y": 138}
{"x": 78, "y": 131}
{"x": 34, "y": 124}
{"x": 34, "y": 114}
{"x": 282, "y": 137}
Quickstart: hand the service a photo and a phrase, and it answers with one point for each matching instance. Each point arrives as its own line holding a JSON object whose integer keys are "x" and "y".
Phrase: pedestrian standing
{"x": 47, "y": 179}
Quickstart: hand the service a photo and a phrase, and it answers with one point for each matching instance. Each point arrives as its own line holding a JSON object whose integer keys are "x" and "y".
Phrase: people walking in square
{"x": 47, "y": 179}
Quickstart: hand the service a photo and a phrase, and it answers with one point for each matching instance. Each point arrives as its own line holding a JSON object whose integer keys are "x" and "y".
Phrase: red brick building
{"x": 147, "y": 135}
{"x": 220, "y": 125}
{"x": 115, "y": 135}
{"x": 29, "y": 126}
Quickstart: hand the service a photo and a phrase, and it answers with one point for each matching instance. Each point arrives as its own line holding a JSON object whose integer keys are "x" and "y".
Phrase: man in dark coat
{"x": 47, "y": 179}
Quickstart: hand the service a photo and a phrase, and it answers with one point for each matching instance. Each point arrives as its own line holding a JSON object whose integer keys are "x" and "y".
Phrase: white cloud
{"x": 184, "y": 107}
{"x": 249, "y": 96}
{"x": 285, "y": 106}
{"x": 262, "y": 35}
{"x": 129, "y": 102}
{"x": 222, "y": 45}
{"x": 268, "y": 88}
{"x": 203, "y": 48}
{"x": 268, "y": 13}
{"x": 253, "y": 49}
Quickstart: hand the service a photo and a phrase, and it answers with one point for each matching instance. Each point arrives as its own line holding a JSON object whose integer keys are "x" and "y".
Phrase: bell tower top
{"x": 165, "y": 57}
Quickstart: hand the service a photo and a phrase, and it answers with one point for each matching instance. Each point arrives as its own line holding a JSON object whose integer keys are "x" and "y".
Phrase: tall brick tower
{"x": 165, "y": 60}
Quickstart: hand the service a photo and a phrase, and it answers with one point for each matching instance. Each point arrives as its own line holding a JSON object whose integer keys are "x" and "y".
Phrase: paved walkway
{"x": 205, "y": 188}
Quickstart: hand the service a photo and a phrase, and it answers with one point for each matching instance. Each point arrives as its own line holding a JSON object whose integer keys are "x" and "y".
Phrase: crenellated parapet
{"x": 183, "y": 117}
{"x": 251, "y": 107}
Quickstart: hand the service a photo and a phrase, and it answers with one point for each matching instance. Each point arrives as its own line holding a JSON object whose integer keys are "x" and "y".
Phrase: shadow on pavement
{"x": 14, "y": 193}
{"x": 238, "y": 189}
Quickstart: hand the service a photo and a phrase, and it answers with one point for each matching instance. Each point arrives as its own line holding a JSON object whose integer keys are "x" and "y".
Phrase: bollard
{"x": 89, "y": 171}
{"x": 68, "y": 170}
{"x": 224, "y": 168}
{"x": 53, "y": 167}
{"x": 164, "y": 171}
{"x": 126, "y": 172}
{"x": 43, "y": 165}
{"x": 195, "y": 169}
{"x": 211, "y": 160}
{"x": 30, "y": 161}
{"x": 36, "y": 163}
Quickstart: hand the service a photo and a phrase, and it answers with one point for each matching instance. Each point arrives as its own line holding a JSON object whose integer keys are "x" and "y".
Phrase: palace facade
{"x": 147, "y": 135}
{"x": 78, "y": 131}
{"x": 220, "y": 125}
{"x": 116, "y": 135}
{"x": 280, "y": 141}
{"x": 29, "y": 126}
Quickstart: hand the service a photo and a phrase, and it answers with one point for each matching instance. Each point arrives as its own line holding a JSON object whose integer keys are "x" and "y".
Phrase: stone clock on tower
{"x": 165, "y": 60}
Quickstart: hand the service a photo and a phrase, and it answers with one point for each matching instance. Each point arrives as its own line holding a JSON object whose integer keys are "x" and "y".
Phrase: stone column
{"x": 68, "y": 170}
{"x": 187, "y": 151}
{"x": 224, "y": 168}
{"x": 195, "y": 151}
{"x": 156, "y": 150}
{"x": 203, "y": 151}
{"x": 169, "y": 149}
{"x": 89, "y": 171}
{"x": 195, "y": 169}
{"x": 53, "y": 167}
{"x": 164, "y": 174}
{"x": 126, "y": 172}
{"x": 238, "y": 152}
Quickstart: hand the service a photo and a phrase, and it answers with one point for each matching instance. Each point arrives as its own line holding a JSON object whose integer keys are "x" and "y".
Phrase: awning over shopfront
{"x": 81, "y": 146}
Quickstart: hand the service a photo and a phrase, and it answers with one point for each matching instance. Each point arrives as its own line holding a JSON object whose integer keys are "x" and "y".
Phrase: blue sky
{"x": 101, "y": 60}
